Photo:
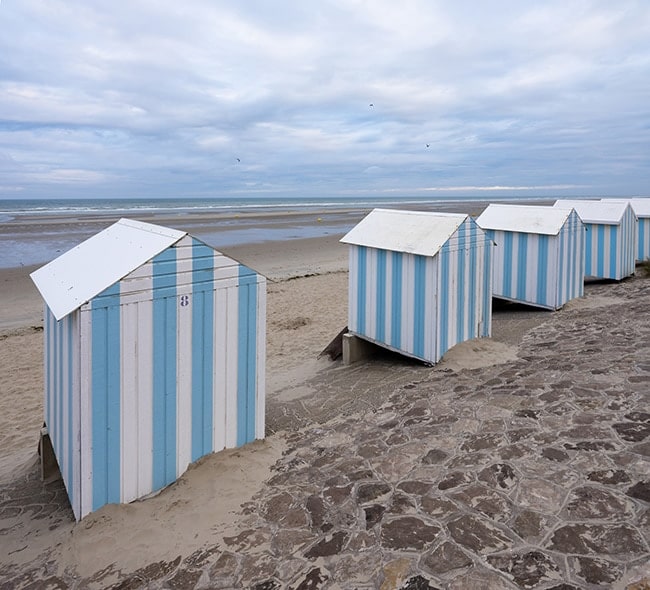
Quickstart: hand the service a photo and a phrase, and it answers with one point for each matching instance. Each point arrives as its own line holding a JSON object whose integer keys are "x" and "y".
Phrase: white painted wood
{"x": 75, "y": 277}
{"x": 413, "y": 232}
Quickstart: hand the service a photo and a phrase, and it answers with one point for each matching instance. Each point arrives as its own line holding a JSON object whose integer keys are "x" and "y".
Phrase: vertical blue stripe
{"x": 202, "y": 348}
{"x": 589, "y": 239}
{"x": 614, "y": 254}
{"x": 380, "y": 311}
{"x": 419, "y": 287}
{"x": 542, "y": 268}
{"x": 522, "y": 265}
{"x": 601, "y": 251}
{"x": 473, "y": 295}
{"x": 507, "y": 264}
{"x": 246, "y": 355}
{"x": 106, "y": 435}
{"x": 641, "y": 240}
{"x": 461, "y": 294}
{"x": 443, "y": 314}
{"x": 487, "y": 288}
{"x": 59, "y": 391}
{"x": 582, "y": 239}
{"x": 164, "y": 368}
{"x": 565, "y": 267}
{"x": 48, "y": 364}
{"x": 396, "y": 301}
{"x": 71, "y": 401}
{"x": 361, "y": 288}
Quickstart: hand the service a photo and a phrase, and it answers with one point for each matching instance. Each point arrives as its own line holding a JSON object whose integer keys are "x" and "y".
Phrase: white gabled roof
{"x": 531, "y": 219}
{"x": 412, "y": 232}
{"x": 640, "y": 205}
{"x": 80, "y": 274}
{"x": 606, "y": 212}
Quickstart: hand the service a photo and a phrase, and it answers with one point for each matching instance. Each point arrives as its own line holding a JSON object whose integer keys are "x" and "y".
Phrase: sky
{"x": 213, "y": 98}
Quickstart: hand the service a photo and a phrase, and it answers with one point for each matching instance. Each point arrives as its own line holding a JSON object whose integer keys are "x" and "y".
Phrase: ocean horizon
{"x": 35, "y": 231}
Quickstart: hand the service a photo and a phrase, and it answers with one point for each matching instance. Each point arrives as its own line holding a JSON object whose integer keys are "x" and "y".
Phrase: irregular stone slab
{"x": 527, "y": 413}
{"x": 286, "y": 541}
{"x": 395, "y": 573}
{"x": 527, "y": 569}
{"x": 478, "y": 534}
{"x": 374, "y": 514}
{"x": 315, "y": 506}
{"x": 436, "y": 506}
{"x": 553, "y": 454}
{"x": 500, "y": 475}
{"x": 337, "y": 494}
{"x": 418, "y": 583}
{"x": 277, "y": 507}
{"x": 445, "y": 558}
{"x": 593, "y": 503}
{"x": 328, "y": 546}
{"x": 486, "y": 501}
{"x": 514, "y": 451}
{"x": 367, "y": 492}
{"x": 258, "y": 567}
{"x": 642, "y": 449}
{"x": 595, "y": 570}
{"x": 586, "y": 445}
{"x": 480, "y": 579}
{"x": 609, "y": 476}
{"x": 454, "y": 479}
{"x": 638, "y": 417}
{"x": 632, "y": 431}
{"x": 540, "y": 495}
{"x": 434, "y": 457}
{"x": 402, "y": 504}
{"x": 640, "y": 490}
{"x": 597, "y": 539}
{"x": 226, "y": 564}
{"x": 313, "y": 580}
{"x": 355, "y": 570}
{"x": 408, "y": 532}
{"x": 530, "y": 525}
{"x": 478, "y": 442}
{"x": 586, "y": 432}
{"x": 419, "y": 488}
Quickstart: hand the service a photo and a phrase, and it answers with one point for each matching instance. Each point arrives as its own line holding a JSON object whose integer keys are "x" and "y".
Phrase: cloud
{"x": 145, "y": 99}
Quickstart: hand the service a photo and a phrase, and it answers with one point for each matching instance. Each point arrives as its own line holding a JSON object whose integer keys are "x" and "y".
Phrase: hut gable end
{"x": 87, "y": 270}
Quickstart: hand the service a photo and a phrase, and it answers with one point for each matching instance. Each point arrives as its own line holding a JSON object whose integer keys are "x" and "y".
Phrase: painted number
{"x": 185, "y": 300}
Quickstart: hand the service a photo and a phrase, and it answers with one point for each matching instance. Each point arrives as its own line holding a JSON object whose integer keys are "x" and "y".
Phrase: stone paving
{"x": 531, "y": 474}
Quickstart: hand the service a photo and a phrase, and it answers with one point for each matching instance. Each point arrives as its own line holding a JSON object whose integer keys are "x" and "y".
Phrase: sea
{"x": 35, "y": 231}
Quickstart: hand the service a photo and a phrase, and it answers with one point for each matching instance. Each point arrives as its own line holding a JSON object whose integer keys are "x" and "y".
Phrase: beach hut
{"x": 154, "y": 357}
{"x": 610, "y": 237}
{"x": 539, "y": 253}
{"x": 641, "y": 208}
{"x": 419, "y": 282}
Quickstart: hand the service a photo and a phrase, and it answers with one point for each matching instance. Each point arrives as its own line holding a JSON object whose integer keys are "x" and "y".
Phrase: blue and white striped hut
{"x": 419, "y": 282}
{"x": 154, "y": 357}
{"x": 610, "y": 237}
{"x": 641, "y": 208}
{"x": 539, "y": 253}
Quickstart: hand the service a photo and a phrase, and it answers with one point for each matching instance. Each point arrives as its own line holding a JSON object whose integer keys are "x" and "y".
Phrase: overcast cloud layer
{"x": 213, "y": 98}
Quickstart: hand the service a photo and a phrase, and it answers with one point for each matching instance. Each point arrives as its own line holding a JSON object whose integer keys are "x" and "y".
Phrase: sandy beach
{"x": 519, "y": 461}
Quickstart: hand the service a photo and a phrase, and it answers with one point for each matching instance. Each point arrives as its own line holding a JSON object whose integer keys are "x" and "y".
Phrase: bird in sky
{"x": 238, "y": 160}
{"x": 372, "y": 105}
